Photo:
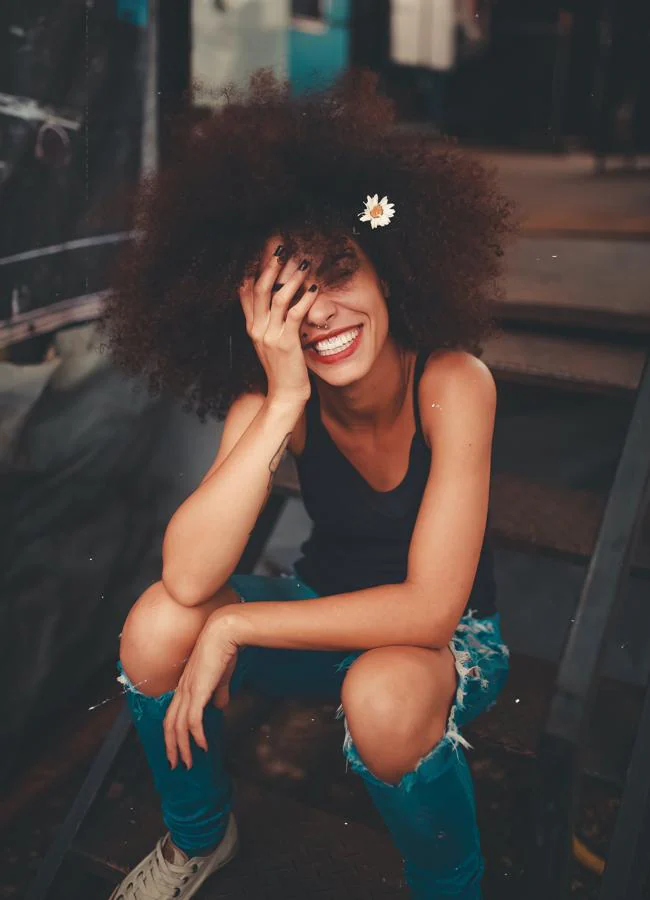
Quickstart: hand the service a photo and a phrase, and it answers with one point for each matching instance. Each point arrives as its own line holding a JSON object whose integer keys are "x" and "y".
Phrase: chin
{"x": 342, "y": 374}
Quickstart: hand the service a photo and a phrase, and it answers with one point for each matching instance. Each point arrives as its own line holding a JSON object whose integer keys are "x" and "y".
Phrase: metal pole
{"x": 627, "y": 861}
{"x": 556, "y": 782}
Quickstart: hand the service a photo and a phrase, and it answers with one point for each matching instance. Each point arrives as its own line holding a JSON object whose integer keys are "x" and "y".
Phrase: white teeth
{"x": 329, "y": 346}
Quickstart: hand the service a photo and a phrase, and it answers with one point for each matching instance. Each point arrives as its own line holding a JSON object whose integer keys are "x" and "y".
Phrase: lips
{"x": 333, "y": 355}
{"x": 330, "y": 334}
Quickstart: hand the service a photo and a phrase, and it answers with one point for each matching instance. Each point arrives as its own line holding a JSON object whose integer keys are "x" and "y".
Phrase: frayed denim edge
{"x": 137, "y": 699}
{"x": 470, "y": 627}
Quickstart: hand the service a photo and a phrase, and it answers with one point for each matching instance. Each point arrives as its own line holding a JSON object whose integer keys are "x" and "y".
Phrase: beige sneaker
{"x": 156, "y": 878}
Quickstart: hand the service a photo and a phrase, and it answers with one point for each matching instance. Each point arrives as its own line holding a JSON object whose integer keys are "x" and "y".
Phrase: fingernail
{"x": 278, "y": 250}
{"x": 304, "y": 265}
{"x": 313, "y": 288}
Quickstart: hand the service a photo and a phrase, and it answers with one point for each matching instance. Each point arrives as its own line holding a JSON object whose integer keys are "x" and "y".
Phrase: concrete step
{"x": 558, "y": 361}
{"x": 584, "y": 283}
{"x": 554, "y": 519}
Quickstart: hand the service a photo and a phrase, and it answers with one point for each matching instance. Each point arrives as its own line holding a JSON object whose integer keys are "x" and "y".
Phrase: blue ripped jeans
{"x": 430, "y": 813}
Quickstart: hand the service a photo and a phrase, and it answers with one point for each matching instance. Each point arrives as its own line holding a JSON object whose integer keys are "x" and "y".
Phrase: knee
{"x": 157, "y": 637}
{"x": 391, "y": 724}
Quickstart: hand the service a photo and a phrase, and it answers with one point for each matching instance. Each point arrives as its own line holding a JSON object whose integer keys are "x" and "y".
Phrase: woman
{"x": 326, "y": 282}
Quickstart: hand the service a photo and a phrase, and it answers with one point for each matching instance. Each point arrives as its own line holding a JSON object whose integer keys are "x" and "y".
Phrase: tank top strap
{"x": 312, "y": 409}
{"x": 420, "y": 363}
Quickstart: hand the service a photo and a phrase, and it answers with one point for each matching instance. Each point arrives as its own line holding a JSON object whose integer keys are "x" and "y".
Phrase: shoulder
{"x": 456, "y": 392}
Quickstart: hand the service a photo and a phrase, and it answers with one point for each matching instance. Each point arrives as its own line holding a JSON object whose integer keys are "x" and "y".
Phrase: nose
{"x": 320, "y": 312}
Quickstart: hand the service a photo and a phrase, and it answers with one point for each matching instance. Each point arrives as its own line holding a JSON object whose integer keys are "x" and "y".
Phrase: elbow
{"x": 181, "y": 590}
{"x": 438, "y": 624}
{"x": 179, "y": 584}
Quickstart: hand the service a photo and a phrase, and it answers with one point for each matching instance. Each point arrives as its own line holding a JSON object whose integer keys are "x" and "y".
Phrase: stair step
{"x": 549, "y": 518}
{"x": 585, "y": 283}
{"x": 531, "y": 515}
{"x": 562, "y": 362}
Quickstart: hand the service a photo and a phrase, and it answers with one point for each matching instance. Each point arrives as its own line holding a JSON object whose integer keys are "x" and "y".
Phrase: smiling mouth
{"x": 340, "y": 346}
{"x": 330, "y": 345}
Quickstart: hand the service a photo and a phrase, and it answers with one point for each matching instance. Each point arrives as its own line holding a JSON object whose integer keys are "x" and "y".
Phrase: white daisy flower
{"x": 377, "y": 212}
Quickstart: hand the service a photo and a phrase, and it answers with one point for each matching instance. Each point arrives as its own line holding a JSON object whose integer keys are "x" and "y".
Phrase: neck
{"x": 377, "y": 399}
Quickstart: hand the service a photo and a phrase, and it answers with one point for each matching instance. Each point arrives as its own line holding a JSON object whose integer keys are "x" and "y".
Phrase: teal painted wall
{"x": 134, "y": 11}
{"x": 316, "y": 59}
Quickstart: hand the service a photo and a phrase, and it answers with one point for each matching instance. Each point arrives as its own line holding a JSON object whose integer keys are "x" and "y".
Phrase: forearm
{"x": 395, "y": 614}
{"x": 207, "y": 535}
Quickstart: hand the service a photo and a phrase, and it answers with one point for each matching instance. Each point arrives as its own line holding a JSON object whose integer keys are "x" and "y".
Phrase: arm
{"x": 458, "y": 400}
{"x": 202, "y": 545}
{"x": 208, "y": 533}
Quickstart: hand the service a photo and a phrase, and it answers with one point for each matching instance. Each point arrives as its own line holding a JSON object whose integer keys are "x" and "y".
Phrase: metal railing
{"x": 557, "y": 773}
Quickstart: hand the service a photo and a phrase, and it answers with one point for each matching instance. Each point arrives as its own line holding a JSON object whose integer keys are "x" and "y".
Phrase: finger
{"x": 169, "y": 732}
{"x": 222, "y": 696}
{"x": 289, "y": 268}
{"x": 288, "y": 295}
{"x": 297, "y": 312}
{"x": 181, "y": 733}
{"x": 262, "y": 286}
{"x": 195, "y": 723}
{"x": 246, "y": 299}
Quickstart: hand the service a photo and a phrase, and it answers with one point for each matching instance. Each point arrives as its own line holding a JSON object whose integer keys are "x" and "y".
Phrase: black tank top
{"x": 360, "y": 537}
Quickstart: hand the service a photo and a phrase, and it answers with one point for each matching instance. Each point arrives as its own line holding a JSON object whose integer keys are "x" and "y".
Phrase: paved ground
{"x": 562, "y": 193}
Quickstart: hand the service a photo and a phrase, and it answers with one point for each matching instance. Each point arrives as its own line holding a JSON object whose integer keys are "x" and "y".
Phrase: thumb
{"x": 221, "y": 697}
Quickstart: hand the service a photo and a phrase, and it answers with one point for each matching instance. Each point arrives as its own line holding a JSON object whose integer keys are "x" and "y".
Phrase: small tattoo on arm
{"x": 276, "y": 458}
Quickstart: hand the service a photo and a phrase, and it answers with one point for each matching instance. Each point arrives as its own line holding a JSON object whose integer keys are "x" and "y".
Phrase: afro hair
{"x": 265, "y": 162}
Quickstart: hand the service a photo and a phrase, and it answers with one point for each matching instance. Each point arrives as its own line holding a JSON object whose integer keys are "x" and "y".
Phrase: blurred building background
{"x": 539, "y": 74}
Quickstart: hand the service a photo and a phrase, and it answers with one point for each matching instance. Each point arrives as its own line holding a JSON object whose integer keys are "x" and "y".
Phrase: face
{"x": 355, "y": 312}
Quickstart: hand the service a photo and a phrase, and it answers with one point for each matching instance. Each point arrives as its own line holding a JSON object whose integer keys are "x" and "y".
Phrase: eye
{"x": 344, "y": 255}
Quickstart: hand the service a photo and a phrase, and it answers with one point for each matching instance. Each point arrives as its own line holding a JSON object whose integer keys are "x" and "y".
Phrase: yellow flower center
{"x": 377, "y": 211}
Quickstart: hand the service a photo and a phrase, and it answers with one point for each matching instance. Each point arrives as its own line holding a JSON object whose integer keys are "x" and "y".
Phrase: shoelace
{"x": 156, "y": 876}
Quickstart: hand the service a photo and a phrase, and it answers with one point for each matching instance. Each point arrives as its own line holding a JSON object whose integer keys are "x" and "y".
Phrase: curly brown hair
{"x": 266, "y": 162}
